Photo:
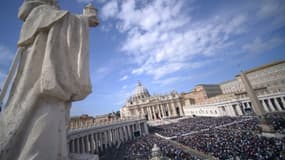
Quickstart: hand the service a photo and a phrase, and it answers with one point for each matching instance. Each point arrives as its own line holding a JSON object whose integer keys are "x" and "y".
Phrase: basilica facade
{"x": 142, "y": 104}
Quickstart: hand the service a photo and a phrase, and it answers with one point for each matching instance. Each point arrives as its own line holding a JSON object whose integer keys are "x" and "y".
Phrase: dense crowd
{"x": 140, "y": 149}
{"x": 277, "y": 119}
{"x": 227, "y": 144}
{"x": 222, "y": 137}
{"x": 192, "y": 124}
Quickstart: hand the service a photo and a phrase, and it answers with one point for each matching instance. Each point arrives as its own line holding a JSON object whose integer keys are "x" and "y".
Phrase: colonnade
{"x": 237, "y": 107}
{"x": 97, "y": 139}
{"x": 269, "y": 104}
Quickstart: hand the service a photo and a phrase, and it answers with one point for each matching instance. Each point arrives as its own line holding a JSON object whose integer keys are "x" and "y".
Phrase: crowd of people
{"x": 192, "y": 124}
{"x": 140, "y": 149}
{"x": 221, "y": 137}
{"x": 228, "y": 144}
{"x": 277, "y": 119}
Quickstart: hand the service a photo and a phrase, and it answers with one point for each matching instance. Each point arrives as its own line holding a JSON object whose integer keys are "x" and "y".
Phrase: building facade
{"x": 268, "y": 82}
{"x": 142, "y": 104}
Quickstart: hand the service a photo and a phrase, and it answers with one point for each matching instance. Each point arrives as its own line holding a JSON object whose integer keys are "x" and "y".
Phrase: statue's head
{"x": 29, "y": 5}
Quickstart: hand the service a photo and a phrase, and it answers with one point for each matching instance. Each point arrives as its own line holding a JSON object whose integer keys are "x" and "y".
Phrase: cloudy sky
{"x": 166, "y": 44}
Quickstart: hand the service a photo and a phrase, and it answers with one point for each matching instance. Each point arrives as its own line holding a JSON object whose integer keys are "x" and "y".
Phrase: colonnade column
{"x": 169, "y": 110}
{"x": 277, "y": 104}
{"x": 239, "y": 109}
{"x": 78, "y": 145}
{"x": 92, "y": 143}
{"x": 173, "y": 109}
{"x": 265, "y": 106}
{"x": 146, "y": 128}
{"x": 72, "y": 146}
{"x": 283, "y": 101}
{"x": 271, "y": 105}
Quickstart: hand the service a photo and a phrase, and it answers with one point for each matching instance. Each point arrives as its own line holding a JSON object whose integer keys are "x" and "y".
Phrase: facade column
{"x": 105, "y": 138}
{"x": 116, "y": 135}
{"x": 112, "y": 136}
{"x": 152, "y": 114}
{"x": 72, "y": 143}
{"x": 139, "y": 127}
{"x": 82, "y": 144}
{"x": 146, "y": 129}
{"x": 92, "y": 143}
{"x": 277, "y": 104}
{"x": 109, "y": 137}
{"x": 265, "y": 106}
{"x": 129, "y": 132}
{"x": 157, "y": 107}
{"x": 169, "y": 111}
{"x": 283, "y": 101}
{"x": 78, "y": 145}
{"x": 125, "y": 133}
{"x": 120, "y": 134}
{"x": 244, "y": 106}
{"x": 233, "y": 111}
{"x": 163, "y": 110}
{"x": 271, "y": 105}
{"x": 96, "y": 135}
{"x": 239, "y": 110}
{"x": 98, "y": 141}
{"x": 181, "y": 109}
{"x": 149, "y": 113}
{"x": 88, "y": 144}
{"x": 174, "y": 109}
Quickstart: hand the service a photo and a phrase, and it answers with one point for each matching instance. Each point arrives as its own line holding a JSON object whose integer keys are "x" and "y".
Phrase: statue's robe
{"x": 53, "y": 71}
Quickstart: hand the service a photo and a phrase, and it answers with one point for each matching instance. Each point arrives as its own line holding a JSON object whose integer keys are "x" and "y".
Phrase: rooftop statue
{"x": 50, "y": 71}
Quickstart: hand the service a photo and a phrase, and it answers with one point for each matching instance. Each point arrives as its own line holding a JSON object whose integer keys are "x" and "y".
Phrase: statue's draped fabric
{"x": 53, "y": 71}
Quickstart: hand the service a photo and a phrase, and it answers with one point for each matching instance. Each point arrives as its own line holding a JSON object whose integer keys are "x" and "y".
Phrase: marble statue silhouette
{"x": 50, "y": 71}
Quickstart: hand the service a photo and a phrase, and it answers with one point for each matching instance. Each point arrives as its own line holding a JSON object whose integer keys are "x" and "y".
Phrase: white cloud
{"x": 124, "y": 78}
{"x": 84, "y": 1}
{"x": 110, "y": 9}
{"x": 162, "y": 38}
{"x": 169, "y": 80}
{"x": 262, "y": 45}
{"x": 124, "y": 87}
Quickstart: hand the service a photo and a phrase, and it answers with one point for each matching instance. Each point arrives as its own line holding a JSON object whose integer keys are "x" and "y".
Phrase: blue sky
{"x": 166, "y": 44}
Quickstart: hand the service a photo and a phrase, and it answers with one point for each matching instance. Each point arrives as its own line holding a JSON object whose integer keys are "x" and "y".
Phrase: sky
{"x": 166, "y": 44}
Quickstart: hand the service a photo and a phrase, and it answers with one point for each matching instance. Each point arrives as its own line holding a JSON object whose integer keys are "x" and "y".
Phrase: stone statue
{"x": 52, "y": 70}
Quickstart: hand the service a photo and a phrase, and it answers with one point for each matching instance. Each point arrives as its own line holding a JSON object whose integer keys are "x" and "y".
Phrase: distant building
{"x": 201, "y": 92}
{"x": 268, "y": 81}
{"x": 142, "y": 104}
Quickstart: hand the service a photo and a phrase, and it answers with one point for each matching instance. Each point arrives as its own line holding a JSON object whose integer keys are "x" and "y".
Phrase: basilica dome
{"x": 140, "y": 92}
